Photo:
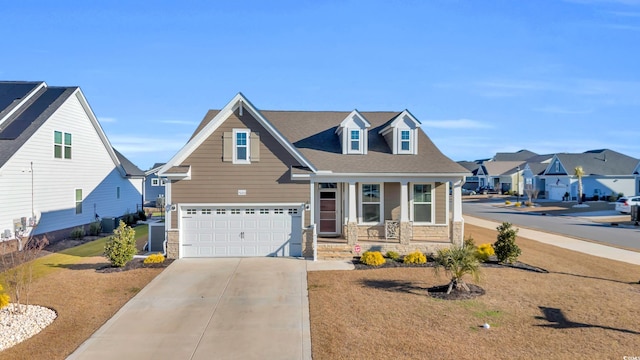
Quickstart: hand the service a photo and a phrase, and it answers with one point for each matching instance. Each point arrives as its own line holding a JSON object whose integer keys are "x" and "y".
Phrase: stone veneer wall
{"x": 431, "y": 233}
{"x": 172, "y": 244}
{"x": 307, "y": 243}
{"x": 457, "y": 233}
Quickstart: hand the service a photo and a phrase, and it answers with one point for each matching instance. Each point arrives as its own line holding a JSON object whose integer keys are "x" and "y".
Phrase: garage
{"x": 234, "y": 231}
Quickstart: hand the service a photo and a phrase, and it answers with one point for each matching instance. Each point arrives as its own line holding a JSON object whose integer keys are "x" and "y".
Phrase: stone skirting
{"x": 457, "y": 233}
{"x": 342, "y": 251}
{"x": 173, "y": 246}
{"x": 430, "y": 233}
{"x": 307, "y": 243}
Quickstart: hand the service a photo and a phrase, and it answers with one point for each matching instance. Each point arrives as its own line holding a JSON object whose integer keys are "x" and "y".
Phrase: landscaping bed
{"x": 583, "y": 306}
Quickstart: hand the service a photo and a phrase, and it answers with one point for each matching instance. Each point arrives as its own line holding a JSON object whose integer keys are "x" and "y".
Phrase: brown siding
{"x": 441, "y": 203}
{"x": 391, "y": 201}
{"x": 215, "y": 181}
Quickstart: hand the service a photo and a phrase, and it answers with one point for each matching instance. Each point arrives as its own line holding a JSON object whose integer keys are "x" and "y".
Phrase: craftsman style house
{"x": 274, "y": 183}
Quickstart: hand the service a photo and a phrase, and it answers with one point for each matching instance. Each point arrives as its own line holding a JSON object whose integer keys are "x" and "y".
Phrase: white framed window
{"x": 78, "y": 197}
{"x": 61, "y": 145}
{"x": 250, "y": 211}
{"x": 235, "y": 211}
{"x": 192, "y": 211}
{"x": 241, "y": 146}
{"x": 221, "y": 211}
{"x": 206, "y": 211}
{"x": 405, "y": 141}
{"x": 422, "y": 203}
{"x": 354, "y": 140}
{"x": 163, "y": 182}
{"x": 278, "y": 211}
{"x": 155, "y": 182}
{"x": 371, "y": 205}
{"x": 264, "y": 211}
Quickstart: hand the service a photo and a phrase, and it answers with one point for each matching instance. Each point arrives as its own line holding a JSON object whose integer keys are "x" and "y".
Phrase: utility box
{"x": 634, "y": 213}
{"x": 109, "y": 224}
{"x": 156, "y": 237}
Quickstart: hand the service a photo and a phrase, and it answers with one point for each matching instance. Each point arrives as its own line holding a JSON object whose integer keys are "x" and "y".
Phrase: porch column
{"x": 352, "y": 223}
{"x": 406, "y": 228}
{"x": 457, "y": 226}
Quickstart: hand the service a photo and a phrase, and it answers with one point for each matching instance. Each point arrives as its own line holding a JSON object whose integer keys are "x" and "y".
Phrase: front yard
{"x": 584, "y": 307}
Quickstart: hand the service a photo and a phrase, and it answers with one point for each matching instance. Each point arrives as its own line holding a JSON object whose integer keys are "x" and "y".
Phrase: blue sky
{"x": 482, "y": 76}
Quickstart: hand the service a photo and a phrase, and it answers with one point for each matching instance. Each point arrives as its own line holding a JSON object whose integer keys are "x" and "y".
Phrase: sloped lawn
{"x": 585, "y": 307}
{"x": 84, "y": 299}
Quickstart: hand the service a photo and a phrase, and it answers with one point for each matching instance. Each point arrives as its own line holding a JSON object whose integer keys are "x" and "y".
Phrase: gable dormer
{"x": 353, "y": 133}
{"x": 402, "y": 134}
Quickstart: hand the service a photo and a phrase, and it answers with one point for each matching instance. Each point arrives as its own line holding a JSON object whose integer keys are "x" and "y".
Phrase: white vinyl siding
{"x": 90, "y": 169}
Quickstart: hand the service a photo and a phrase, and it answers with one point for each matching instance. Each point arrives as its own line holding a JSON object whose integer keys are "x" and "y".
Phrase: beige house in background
{"x": 274, "y": 183}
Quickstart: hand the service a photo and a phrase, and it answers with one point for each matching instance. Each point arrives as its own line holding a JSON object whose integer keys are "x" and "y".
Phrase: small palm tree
{"x": 579, "y": 172}
{"x": 457, "y": 262}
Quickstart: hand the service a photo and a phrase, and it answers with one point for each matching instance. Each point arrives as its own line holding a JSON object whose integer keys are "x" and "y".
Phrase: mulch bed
{"x": 136, "y": 263}
{"x": 440, "y": 292}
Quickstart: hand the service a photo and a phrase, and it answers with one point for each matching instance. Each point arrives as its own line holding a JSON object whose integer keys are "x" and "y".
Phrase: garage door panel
{"x": 238, "y": 231}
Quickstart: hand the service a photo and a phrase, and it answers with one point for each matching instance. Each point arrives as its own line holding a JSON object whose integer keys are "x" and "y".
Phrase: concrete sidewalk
{"x": 239, "y": 308}
{"x": 565, "y": 242}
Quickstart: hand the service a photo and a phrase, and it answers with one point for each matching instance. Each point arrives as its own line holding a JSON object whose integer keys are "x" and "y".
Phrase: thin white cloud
{"x": 619, "y": 2}
{"x": 622, "y": 27}
{"x": 133, "y": 144}
{"x": 107, "y": 120}
{"x": 560, "y": 110}
{"x": 456, "y": 124}
{"x": 625, "y": 13}
{"x": 179, "y": 122}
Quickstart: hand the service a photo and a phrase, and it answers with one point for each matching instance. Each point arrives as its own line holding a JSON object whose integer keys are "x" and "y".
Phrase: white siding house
{"x": 57, "y": 165}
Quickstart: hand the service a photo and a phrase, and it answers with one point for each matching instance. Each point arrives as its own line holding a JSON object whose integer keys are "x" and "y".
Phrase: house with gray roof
{"x": 153, "y": 186}
{"x": 606, "y": 172}
{"x": 57, "y": 168}
{"x": 253, "y": 182}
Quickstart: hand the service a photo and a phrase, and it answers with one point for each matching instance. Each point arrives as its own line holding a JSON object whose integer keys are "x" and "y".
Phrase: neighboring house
{"x": 501, "y": 175}
{"x": 57, "y": 167}
{"x": 265, "y": 183}
{"x": 606, "y": 172}
{"x": 153, "y": 185}
{"x": 472, "y": 182}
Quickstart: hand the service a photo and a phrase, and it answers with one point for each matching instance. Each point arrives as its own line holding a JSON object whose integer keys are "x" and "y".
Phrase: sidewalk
{"x": 565, "y": 242}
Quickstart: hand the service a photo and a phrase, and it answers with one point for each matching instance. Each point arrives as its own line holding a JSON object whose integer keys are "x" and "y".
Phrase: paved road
{"x": 573, "y": 226}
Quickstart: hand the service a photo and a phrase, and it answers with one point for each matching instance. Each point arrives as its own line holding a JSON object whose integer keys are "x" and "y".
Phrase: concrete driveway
{"x": 241, "y": 308}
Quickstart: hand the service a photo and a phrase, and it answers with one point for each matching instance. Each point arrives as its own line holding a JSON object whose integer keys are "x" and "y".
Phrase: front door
{"x": 328, "y": 211}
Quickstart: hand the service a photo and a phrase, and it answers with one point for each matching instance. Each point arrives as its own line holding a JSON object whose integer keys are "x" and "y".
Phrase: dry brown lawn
{"x": 585, "y": 307}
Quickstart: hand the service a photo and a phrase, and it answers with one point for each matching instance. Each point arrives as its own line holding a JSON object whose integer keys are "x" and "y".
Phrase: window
{"x": 155, "y": 182}
{"x": 355, "y": 141}
{"x": 371, "y": 203}
{"x": 422, "y": 203}
{"x": 61, "y": 145}
{"x": 249, "y": 211}
{"x": 235, "y": 211}
{"x": 221, "y": 211}
{"x": 278, "y": 211}
{"x": 206, "y": 211}
{"x": 117, "y": 192}
{"x": 78, "y": 201}
{"x": 557, "y": 166}
{"x": 264, "y": 211}
{"x": 293, "y": 211}
{"x": 192, "y": 211}
{"x": 241, "y": 147}
{"x": 405, "y": 140}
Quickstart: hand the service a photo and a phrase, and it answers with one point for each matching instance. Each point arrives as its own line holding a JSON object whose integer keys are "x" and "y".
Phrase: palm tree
{"x": 457, "y": 262}
{"x": 579, "y": 172}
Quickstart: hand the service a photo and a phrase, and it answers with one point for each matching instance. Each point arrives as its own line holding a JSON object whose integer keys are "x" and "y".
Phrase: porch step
{"x": 335, "y": 252}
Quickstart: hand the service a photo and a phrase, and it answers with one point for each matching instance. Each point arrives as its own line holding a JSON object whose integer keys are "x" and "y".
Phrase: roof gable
{"x": 209, "y": 126}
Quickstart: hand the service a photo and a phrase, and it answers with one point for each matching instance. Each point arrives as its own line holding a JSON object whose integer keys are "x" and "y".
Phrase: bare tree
{"x": 579, "y": 172}
{"x": 531, "y": 192}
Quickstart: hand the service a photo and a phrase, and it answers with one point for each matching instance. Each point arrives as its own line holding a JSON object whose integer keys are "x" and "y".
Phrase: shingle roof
{"x": 129, "y": 167}
{"x": 496, "y": 168}
{"x": 599, "y": 162}
{"x": 313, "y": 134}
{"x": 520, "y": 155}
{"x": 18, "y": 128}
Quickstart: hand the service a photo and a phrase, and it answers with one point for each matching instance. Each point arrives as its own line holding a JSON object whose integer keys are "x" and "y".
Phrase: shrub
{"x": 154, "y": 259}
{"x": 507, "y": 202}
{"x": 595, "y": 197}
{"x": 4, "y": 298}
{"x": 372, "y": 258}
{"x": 469, "y": 242}
{"x": 457, "y": 262}
{"x": 141, "y": 215}
{"x": 121, "y": 246}
{"x": 392, "y": 255}
{"x": 528, "y": 203}
{"x": 416, "y": 257}
{"x": 484, "y": 251}
{"x": 517, "y": 204}
{"x": 78, "y": 233}
{"x": 620, "y": 195}
{"x": 505, "y": 247}
{"x": 95, "y": 228}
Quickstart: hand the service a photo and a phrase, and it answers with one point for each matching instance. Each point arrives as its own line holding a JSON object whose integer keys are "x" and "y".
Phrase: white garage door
{"x": 210, "y": 231}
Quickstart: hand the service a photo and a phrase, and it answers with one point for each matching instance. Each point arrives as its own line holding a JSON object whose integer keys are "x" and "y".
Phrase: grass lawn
{"x": 83, "y": 298}
{"x": 585, "y": 307}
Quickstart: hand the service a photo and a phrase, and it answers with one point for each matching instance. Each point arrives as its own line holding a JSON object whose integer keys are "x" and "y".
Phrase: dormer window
{"x": 405, "y": 140}
{"x": 352, "y": 132}
{"x": 401, "y": 134}
{"x": 355, "y": 141}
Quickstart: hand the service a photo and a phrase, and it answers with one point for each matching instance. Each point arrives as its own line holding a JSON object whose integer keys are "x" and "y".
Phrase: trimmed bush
{"x": 505, "y": 247}
{"x": 469, "y": 242}
{"x": 4, "y": 298}
{"x": 392, "y": 255}
{"x": 507, "y": 202}
{"x": 416, "y": 257}
{"x": 142, "y": 215}
{"x": 517, "y": 204}
{"x": 154, "y": 259}
{"x": 484, "y": 251}
{"x": 95, "y": 228}
{"x": 121, "y": 246}
{"x": 372, "y": 258}
{"x": 78, "y": 233}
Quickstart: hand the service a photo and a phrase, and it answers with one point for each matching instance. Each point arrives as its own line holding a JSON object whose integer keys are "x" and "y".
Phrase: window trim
{"x": 412, "y": 203}
{"x": 78, "y": 202}
{"x": 247, "y": 146}
{"x": 361, "y": 203}
{"x": 155, "y": 181}
{"x": 350, "y": 141}
{"x": 401, "y": 140}
{"x": 65, "y": 149}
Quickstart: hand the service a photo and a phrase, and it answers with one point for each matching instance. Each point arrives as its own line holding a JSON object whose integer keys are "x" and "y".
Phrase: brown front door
{"x": 328, "y": 212}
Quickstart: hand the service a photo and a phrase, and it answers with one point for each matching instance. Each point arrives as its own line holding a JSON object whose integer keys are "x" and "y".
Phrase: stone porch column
{"x": 406, "y": 229}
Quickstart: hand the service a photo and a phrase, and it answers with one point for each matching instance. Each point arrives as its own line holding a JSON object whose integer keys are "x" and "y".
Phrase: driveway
{"x": 241, "y": 308}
